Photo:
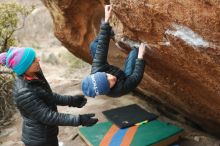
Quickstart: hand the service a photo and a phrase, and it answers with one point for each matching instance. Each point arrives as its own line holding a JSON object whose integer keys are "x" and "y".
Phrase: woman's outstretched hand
{"x": 108, "y": 10}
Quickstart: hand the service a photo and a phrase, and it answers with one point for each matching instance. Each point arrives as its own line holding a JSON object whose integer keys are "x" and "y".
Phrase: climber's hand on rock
{"x": 108, "y": 10}
{"x": 142, "y": 50}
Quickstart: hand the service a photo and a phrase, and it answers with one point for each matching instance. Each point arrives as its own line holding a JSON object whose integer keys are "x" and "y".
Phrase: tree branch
{"x": 6, "y": 72}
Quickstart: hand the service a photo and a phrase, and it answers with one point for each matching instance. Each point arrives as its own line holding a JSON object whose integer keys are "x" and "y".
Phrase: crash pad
{"x": 152, "y": 133}
{"x": 129, "y": 115}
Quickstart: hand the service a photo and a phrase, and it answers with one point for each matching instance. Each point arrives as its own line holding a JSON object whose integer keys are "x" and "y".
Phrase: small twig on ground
{"x": 75, "y": 136}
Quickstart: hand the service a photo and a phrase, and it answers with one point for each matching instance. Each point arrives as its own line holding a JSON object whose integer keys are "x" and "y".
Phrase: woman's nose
{"x": 38, "y": 59}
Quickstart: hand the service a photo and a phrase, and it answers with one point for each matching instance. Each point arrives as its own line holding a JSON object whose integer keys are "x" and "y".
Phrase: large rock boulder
{"x": 183, "y": 64}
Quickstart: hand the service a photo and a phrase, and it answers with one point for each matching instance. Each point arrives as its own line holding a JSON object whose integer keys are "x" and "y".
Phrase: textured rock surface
{"x": 183, "y": 64}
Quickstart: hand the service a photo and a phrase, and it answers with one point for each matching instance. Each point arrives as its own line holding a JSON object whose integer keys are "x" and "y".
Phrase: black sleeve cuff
{"x": 106, "y": 26}
{"x": 141, "y": 61}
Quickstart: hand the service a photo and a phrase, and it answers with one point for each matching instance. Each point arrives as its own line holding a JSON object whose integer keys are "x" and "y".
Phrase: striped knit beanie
{"x": 95, "y": 84}
{"x": 18, "y": 59}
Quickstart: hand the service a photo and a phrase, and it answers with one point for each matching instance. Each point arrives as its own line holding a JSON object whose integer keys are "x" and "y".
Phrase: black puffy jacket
{"x": 124, "y": 84}
{"x": 37, "y": 105}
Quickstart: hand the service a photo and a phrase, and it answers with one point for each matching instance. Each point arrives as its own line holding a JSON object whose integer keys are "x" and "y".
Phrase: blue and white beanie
{"x": 95, "y": 84}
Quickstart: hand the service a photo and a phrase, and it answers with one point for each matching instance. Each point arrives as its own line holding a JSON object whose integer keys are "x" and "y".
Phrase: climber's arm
{"x": 134, "y": 79}
{"x": 101, "y": 54}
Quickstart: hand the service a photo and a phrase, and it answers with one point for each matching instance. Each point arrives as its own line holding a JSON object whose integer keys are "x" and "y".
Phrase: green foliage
{"x": 6, "y": 101}
{"x": 12, "y": 18}
{"x": 11, "y": 14}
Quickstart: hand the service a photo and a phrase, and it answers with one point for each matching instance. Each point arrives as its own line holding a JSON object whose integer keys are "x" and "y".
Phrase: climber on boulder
{"x": 106, "y": 79}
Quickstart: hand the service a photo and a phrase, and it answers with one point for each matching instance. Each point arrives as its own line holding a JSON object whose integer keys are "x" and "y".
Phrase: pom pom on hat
{"x": 3, "y": 58}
